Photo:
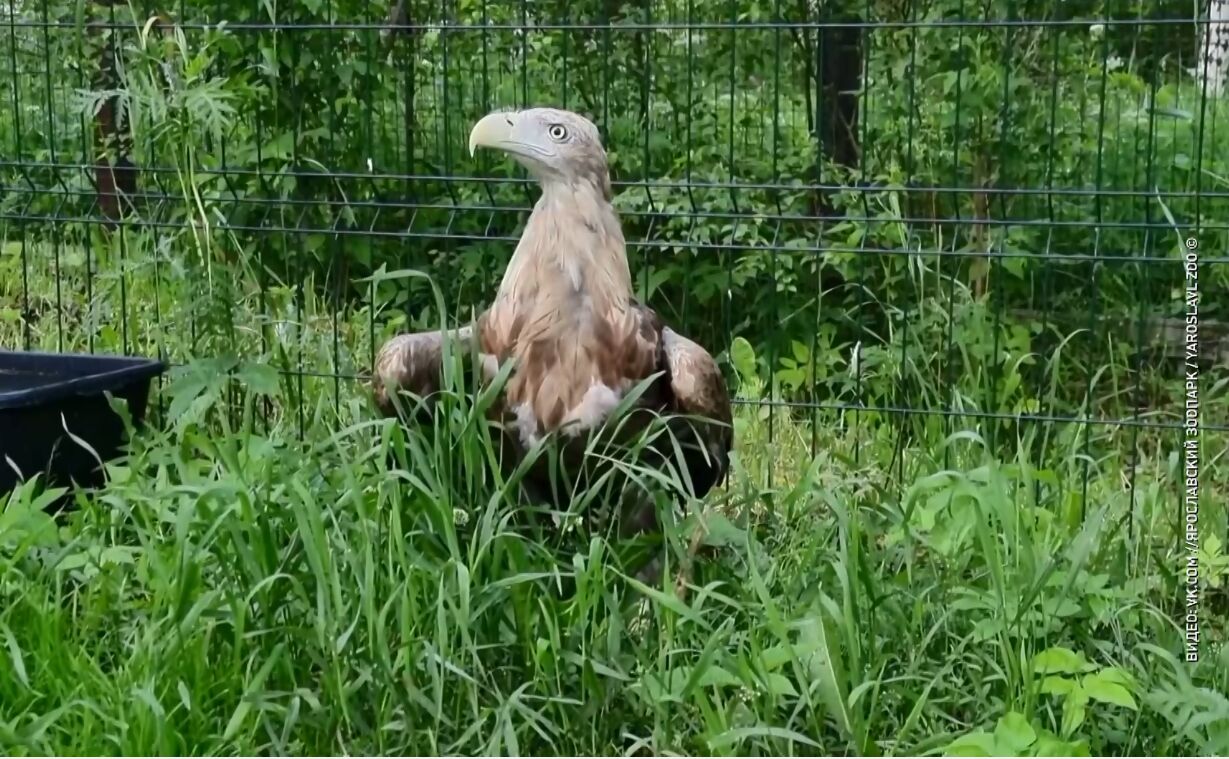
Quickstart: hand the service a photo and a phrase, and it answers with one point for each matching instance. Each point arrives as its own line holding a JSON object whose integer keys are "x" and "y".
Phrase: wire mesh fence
{"x": 888, "y": 217}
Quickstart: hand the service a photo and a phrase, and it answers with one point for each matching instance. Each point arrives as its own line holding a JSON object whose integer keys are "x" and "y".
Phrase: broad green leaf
{"x": 742, "y": 355}
{"x": 1014, "y": 733}
{"x": 1074, "y": 711}
{"x": 658, "y": 689}
{"x": 779, "y": 685}
{"x": 720, "y": 531}
{"x": 1057, "y": 685}
{"x": 1049, "y": 744}
{"x": 1116, "y": 675}
{"x": 1059, "y": 660}
{"x": 1109, "y": 692}
{"x": 979, "y": 743}
{"x": 814, "y": 635}
{"x": 719, "y": 677}
{"x": 117, "y": 555}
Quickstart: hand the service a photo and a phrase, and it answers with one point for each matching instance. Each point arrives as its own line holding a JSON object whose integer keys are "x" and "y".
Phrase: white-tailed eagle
{"x": 566, "y": 316}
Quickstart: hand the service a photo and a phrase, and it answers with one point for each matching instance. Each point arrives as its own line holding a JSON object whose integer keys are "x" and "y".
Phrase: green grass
{"x": 273, "y": 569}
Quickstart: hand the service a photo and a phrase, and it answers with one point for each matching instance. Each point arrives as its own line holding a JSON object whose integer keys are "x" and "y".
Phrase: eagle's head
{"x": 553, "y": 145}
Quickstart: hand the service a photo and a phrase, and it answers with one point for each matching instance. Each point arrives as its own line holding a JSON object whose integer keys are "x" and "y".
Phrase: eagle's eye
{"x": 557, "y": 132}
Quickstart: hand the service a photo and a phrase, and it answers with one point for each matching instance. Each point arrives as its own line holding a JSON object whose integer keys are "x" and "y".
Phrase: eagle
{"x": 579, "y": 341}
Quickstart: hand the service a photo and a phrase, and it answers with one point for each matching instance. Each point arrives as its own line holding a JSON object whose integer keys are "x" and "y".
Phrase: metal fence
{"x": 934, "y": 215}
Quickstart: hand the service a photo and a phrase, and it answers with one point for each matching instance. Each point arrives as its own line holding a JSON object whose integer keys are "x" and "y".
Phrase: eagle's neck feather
{"x": 572, "y": 249}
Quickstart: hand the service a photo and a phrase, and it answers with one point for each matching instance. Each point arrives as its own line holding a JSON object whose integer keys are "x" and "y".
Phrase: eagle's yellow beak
{"x": 492, "y": 131}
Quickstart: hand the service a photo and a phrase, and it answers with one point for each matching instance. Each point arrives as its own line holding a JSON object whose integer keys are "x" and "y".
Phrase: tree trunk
{"x": 115, "y": 176}
{"x": 837, "y": 78}
{"x": 1212, "y": 69}
{"x": 841, "y": 81}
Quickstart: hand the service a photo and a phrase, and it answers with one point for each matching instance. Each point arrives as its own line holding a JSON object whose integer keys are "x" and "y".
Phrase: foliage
{"x": 1014, "y": 736}
{"x": 275, "y": 569}
{"x": 931, "y": 559}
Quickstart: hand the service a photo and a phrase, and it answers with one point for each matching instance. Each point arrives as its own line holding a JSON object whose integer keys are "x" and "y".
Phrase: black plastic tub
{"x": 42, "y": 393}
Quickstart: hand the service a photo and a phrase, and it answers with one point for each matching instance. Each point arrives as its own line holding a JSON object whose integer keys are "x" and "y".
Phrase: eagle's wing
{"x": 413, "y": 362}
{"x": 698, "y": 391}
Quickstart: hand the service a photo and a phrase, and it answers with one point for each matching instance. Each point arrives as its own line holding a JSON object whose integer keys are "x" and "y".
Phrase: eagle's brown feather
{"x": 413, "y": 362}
